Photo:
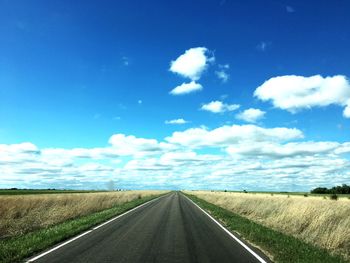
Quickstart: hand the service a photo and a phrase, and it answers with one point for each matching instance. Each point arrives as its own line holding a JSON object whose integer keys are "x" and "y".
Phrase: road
{"x": 169, "y": 229}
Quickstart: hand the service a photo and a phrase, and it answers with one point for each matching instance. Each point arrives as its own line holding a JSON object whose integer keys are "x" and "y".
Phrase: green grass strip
{"x": 19, "y": 248}
{"x": 283, "y": 248}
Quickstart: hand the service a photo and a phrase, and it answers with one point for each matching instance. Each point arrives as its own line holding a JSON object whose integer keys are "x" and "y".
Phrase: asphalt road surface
{"x": 169, "y": 229}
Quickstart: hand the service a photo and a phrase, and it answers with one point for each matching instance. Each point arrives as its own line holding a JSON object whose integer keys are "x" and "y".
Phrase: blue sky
{"x": 73, "y": 75}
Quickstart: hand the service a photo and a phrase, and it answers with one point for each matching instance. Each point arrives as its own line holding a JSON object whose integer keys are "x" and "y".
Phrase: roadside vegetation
{"x": 22, "y": 214}
{"x": 15, "y": 191}
{"x": 32, "y": 223}
{"x": 341, "y": 189}
{"x": 320, "y": 222}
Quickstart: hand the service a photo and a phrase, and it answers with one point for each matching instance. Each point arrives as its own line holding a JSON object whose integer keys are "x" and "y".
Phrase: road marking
{"x": 229, "y": 233}
{"x": 89, "y": 231}
{"x": 59, "y": 246}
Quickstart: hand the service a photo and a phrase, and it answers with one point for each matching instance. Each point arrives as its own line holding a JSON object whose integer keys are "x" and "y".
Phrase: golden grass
{"x": 20, "y": 214}
{"x": 322, "y": 222}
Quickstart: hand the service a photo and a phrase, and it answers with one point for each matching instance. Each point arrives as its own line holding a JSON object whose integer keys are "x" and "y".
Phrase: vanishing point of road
{"x": 168, "y": 229}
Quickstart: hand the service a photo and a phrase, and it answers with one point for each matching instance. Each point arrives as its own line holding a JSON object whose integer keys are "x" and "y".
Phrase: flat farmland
{"x": 316, "y": 220}
{"x": 20, "y": 214}
{"x": 43, "y": 191}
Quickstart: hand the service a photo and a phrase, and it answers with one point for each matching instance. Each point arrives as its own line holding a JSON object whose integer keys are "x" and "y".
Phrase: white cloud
{"x": 192, "y": 63}
{"x": 186, "y": 157}
{"x": 186, "y": 88}
{"x": 251, "y": 115}
{"x": 21, "y": 148}
{"x": 84, "y": 153}
{"x": 219, "y": 107}
{"x": 256, "y": 156}
{"x": 222, "y": 72}
{"x": 131, "y": 145}
{"x": 151, "y": 164}
{"x": 120, "y": 145}
{"x": 227, "y": 135}
{"x": 176, "y": 121}
{"x": 346, "y": 112}
{"x": 294, "y": 93}
{"x": 344, "y": 148}
{"x": 275, "y": 150}
{"x": 222, "y": 75}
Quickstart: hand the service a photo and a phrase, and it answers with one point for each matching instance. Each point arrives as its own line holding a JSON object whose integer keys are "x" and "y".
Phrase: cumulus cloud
{"x": 346, "y": 112}
{"x": 192, "y": 63}
{"x": 226, "y": 135}
{"x": 219, "y": 107}
{"x": 151, "y": 164}
{"x": 186, "y": 88}
{"x": 20, "y": 148}
{"x": 120, "y": 145}
{"x": 176, "y": 121}
{"x": 343, "y": 148}
{"x": 222, "y": 75}
{"x": 186, "y": 157}
{"x": 131, "y": 145}
{"x": 248, "y": 156}
{"x": 251, "y": 115}
{"x": 18, "y": 153}
{"x": 275, "y": 150}
{"x": 294, "y": 93}
{"x": 222, "y": 72}
{"x": 83, "y": 153}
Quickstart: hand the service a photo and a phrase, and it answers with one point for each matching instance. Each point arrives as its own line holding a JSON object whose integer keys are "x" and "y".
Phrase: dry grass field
{"x": 322, "y": 222}
{"x": 20, "y": 214}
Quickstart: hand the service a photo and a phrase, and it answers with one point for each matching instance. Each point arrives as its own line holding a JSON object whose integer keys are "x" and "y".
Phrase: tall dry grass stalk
{"x": 21, "y": 214}
{"x": 322, "y": 222}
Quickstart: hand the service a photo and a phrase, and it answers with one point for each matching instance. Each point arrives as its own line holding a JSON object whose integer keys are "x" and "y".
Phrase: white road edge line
{"x": 229, "y": 233}
{"x": 89, "y": 231}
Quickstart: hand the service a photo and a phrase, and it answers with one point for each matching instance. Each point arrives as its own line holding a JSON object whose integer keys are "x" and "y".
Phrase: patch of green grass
{"x": 18, "y": 248}
{"x": 283, "y": 248}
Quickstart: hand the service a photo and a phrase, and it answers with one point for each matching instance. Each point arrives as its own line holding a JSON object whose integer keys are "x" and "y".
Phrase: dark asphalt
{"x": 170, "y": 229}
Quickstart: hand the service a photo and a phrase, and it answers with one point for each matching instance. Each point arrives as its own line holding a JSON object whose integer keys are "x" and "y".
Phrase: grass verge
{"x": 283, "y": 248}
{"x": 19, "y": 248}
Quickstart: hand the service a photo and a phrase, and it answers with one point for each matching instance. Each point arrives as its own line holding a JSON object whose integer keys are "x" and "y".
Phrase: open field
{"x": 43, "y": 191}
{"x": 280, "y": 247}
{"x": 315, "y": 220}
{"x": 326, "y": 196}
{"x": 20, "y": 214}
{"x": 17, "y": 248}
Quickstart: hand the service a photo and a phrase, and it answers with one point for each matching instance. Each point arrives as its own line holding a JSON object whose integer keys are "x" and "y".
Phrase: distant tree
{"x": 320, "y": 190}
{"x": 340, "y": 189}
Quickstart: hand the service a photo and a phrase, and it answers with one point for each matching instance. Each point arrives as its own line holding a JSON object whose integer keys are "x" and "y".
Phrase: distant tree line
{"x": 340, "y": 189}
